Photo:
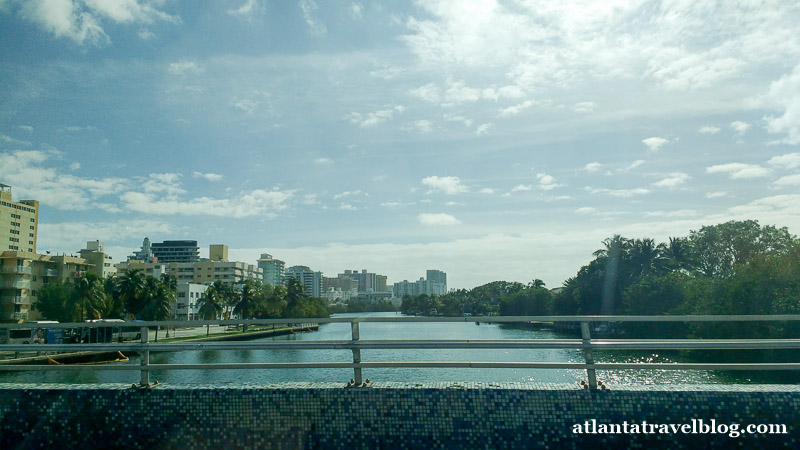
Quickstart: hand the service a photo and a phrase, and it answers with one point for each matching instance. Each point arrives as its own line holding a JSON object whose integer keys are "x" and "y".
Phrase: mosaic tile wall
{"x": 387, "y": 415}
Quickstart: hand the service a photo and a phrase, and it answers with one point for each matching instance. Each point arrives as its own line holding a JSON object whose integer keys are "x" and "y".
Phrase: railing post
{"x": 586, "y": 335}
{"x": 356, "y": 353}
{"x": 145, "y": 355}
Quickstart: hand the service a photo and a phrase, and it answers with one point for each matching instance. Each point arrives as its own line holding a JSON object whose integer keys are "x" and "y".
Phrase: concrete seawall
{"x": 387, "y": 415}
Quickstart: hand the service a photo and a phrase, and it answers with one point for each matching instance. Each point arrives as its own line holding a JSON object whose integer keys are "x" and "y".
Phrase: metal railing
{"x": 586, "y": 343}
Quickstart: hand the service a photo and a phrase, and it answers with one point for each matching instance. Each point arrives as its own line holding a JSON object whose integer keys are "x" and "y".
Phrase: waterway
{"x": 388, "y": 330}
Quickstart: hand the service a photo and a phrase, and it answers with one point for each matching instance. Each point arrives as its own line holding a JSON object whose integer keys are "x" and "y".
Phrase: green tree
{"x": 718, "y": 249}
{"x": 228, "y": 295}
{"x": 90, "y": 295}
{"x": 159, "y": 298}
{"x": 248, "y": 302}
{"x": 210, "y": 306}
{"x": 56, "y": 301}
{"x": 131, "y": 288}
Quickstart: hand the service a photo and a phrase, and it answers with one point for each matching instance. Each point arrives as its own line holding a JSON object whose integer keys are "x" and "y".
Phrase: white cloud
{"x": 184, "y": 67}
{"x": 784, "y": 94}
{"x": 679, "y": 213}
{"x": 788, "y": 180}
{"x": 355, "y": 193}
{"x": 80, "y": 21}
{"x": 68, "y": 237}
{"x": 309, "y": 199}
{"x": 740, "y": 127}
{"x": 654, "y": 143}
{"x": 522, "y": 188}
{"x": 437, "y": 219}
{"x": 672, "y": 180}
{"x": 586, "y": 210}
{"x": 356, "y": 10}
{"x": 451, "y": 118}
{"x": 624, "y": 193}
{"x": 593, "y": 167}
{"x": 145, "y": 34}
{"x": 248, "y": 9}
{"x": 428, "y": 92}
{"x": 75, "y": 166}
{"x": 63, "y": 18}
{"x": 169, "y": 183}
{"x": 317, "y": 29}
{"x": 716, "y": 194}
{"x": 247, "y": 204}
{"x": 787, "y": 161}
{"x": 447, "y": 185}
{"x": 516, "y": 109}
{"x": 208, "y": 176}
{"x": 10, "y": 140}
{"x": 547, "y": 182}
{"x": 739, "y": 170}
{"x": 424, "y": 126}
{"x": 347, "y": 207}
{"x": 634, "y": 164}
{"x": 374, "y": 118}
{"x": 322, "y": 160}
{"x": 585, "y": 107}
{"x": 26, "y": 173}
{"x": 483, "y": 129}
{"x": 709, "y": 129}
{"x": 486, "y": 191}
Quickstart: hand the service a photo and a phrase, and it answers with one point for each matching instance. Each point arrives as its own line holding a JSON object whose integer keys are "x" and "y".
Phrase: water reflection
{"x": 447, "y": 330}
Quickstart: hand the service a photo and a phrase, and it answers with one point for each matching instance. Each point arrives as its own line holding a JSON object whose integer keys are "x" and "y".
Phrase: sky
{"x": 493, "y": 140}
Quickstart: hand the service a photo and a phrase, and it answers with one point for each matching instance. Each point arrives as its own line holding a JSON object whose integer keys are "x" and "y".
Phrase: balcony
{"x": 13, "y": 315}
{"x": 15, "y": 299}
{"x": 20, "y": 284}
{"x": 15, "y": 269}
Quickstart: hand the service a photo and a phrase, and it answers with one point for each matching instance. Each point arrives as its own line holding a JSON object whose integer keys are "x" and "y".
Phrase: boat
{"x": 85, "y": 360}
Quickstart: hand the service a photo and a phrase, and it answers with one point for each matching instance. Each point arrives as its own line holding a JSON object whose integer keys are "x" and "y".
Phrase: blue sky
{"x": 491, "y": 140}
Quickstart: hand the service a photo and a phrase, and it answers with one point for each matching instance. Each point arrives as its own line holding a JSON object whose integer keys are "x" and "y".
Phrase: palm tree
{"x": 210, "y": 306}
{"x": 228, "y": 296}
{"x": 536, "y": 283}
{"x": 89, "y": 292}
{"x": 131, "y": 288}
{"x": 171, "y": 284}
{"x": 159, "y": 302}
{"x": 248, "y": 301}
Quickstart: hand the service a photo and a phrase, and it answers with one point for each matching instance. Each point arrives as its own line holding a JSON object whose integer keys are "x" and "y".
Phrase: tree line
{"x": 737, "y": 267}
{"x": 132, "y": 294}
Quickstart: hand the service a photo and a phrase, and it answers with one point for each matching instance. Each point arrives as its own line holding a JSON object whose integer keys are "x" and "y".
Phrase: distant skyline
{"x": 493, "y": 140}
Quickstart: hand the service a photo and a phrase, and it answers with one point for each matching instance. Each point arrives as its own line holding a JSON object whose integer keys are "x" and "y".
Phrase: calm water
{"x": 396, "y": 331}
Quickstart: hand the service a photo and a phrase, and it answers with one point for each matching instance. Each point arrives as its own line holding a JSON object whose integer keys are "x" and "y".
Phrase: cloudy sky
{"x": 489, "y": 139}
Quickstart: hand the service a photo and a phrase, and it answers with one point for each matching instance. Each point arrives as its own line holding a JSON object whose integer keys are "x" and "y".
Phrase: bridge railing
{"x": 587, "y": 343}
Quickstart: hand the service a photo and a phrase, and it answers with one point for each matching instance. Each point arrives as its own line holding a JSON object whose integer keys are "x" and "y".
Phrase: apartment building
{"x": 189, "y": 297}
{"x": 23, "y": 274}
{"x": 176, "y": 251}
{"x": 435, "y": 284}
{"x": 19, "y": 222}
{"x": 199, "y": 272}
{"x": 101, "y": 263}
{"x": 311, "y": 281}
{"x": 272, "y": 269}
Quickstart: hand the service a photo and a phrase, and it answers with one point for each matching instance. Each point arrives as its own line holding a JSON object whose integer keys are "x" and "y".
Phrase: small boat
{"x": 85, "y": 360}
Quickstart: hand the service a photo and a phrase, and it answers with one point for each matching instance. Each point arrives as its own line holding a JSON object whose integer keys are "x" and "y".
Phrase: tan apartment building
{"x": 19, "y": 222}
{"x": 23, "y": 274}
{"x": 101, "y": 263}
{"x": 201, "y": 272}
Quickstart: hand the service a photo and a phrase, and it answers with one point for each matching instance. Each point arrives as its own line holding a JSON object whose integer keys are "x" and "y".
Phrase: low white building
{"x": 188, "y": 302}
